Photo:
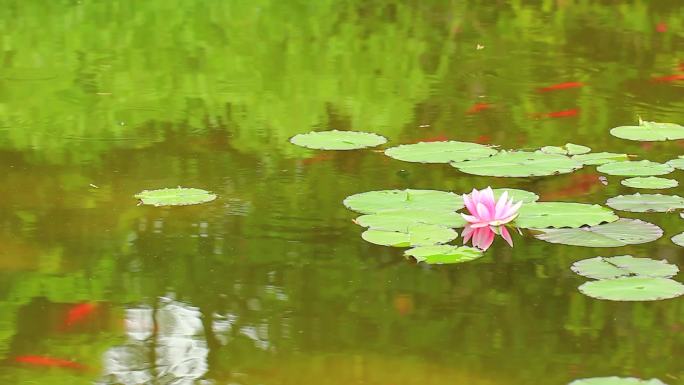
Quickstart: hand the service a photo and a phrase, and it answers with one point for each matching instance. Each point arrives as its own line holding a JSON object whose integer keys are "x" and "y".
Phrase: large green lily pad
{"x": 623, "y": 266}
{"x": 615, "y": 234}
{"x": 633, "y": 289}
{"x": 337, "y": 140}
{"x": 650, "y": 182}
{"x": 440, "y": 152}
{"x": 401, "y": 220}
{"x": 616, "y": 381}
{"x": 417, "y": 235}
{"x": 649, "y": 132}
{"x": 597, "y": 158}
{"x": 519, "y": 164}
{"x": 678, "y": 239}
{"x": 644, "y": 203}
{"x": 372, "y": 202}
{"x": 568, "y": 149}
{"x": 562, "y": 214}
{"x": 635, "y": 168}
{"x": 179, "y": 196}
{"x": 677, "y": 163}
{"x": 443, "y": 254}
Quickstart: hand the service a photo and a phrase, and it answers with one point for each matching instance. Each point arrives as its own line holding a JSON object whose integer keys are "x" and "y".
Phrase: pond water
{"x": 271, "y": 283}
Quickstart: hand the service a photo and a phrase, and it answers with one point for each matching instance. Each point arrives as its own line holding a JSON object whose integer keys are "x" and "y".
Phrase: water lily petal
{"x": 467, "y": 234}
{"x": 483, "y": 212}
{"x": 506, "y": 235}
{"x": 501, "y": 205}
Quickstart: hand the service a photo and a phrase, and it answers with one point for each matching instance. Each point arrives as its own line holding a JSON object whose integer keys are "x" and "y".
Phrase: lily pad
{"x": 623, "y": 266}
{"x": 615, "y": 234}
{"x": 616, "y": 381}
{"x": 678, "y": 239}
{"x": 517, "y": 195}
{"x": 677, "y": 163}
{"x": 417, "y": 235}
{"x": 519, "y": 164}
{"x": 443, "y": 254}
{"x": 175, "y": 196}
{"x": 635, "y": 168}
{"x": 649, "y": 132}
{"x": 568, "y": 149}
{"x": 440, "y": 152}
{"x": 597, "y": 158}
{"x": 633, "y": 289}
{"x": 562, "y": 214}
{"x": 372, "y": 202}
{"x": 650, "y": 182}
{"x": 644, "y": 203}
{"x": 401, "y": 220}
{"x": 337, "y": 140}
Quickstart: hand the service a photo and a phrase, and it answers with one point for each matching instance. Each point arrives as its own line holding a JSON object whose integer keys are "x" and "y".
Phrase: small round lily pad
{"x": 568, "y": 149}
{"x": 598, "y": 158}
{"x": 616, "y": 381}
{"x": 417, "y": 235}
{"x": 678, "y": 239}
{"x": 623, "y": 266}
{"x": 633, "y": 289}
{"x": 519, "y": 164}
{"x": 440, "y": 152}
{"x": 443, "y": 254}
{"x": 644, "y": 203}
{"x": 179, "y": 196}
{"x": 677, "y": 163}
{"x": 401, "y": 220}
{"x": 615, "y": 234}
{"x": 635, "y": 168}
{"x": 562, "y": 214}
{"x": 649, "y": 132}
{"x": 337, "y": 140}
{"x": 650, "y": 182}
{"x": 372, "y": 202}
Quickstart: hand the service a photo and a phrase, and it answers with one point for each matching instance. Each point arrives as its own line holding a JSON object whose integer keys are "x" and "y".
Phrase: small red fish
{"x": 48, "y": 362}
{"x": 483, "y": 139}
{"x": 437, "y": 138}
{"x": 668, "y": 78}
{"x": 556, "y": 114}
{"x": 661, "y": 27}
{"x": 477, "y": 107}
{"x": 78, "y": 313}
{"x": 561, "y": 86}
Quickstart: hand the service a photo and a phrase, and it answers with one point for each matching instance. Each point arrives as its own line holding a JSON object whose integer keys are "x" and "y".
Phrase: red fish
{"x": 48, "y": 362}
{"x": 483, "y": 139}
{"x": 78, "y": 313}
{"x": 561, "y": 86}
{"x": 557, "y": 114}
{"x": 661, "y": 27}
{"x": 668, "y": 78}
{"x": 580, "y": 184}
{"x": 477, "y": 107}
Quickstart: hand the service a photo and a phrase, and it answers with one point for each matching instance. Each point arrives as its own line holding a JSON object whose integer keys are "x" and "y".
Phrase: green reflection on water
{"x": 126, "y": 96}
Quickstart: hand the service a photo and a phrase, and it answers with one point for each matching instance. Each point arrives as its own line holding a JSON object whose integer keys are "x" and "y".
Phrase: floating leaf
{"x": 650, "y": 182}
{"x": 678, "y": 239}
{"x": 337, "y": 140}
{"x": 635, "y": 168}
{"x": 417, "y": 235}
{"x": 440, "y": 152}
{"x": 517, "y": 195}
{"x": 401, "y": 220}
{"x": 443, "y": 254}
{"x": 633, "y": 289}
{"x": 649, "y": 132}
{"x": 623, "y": 266}
{"x": 643, "y": 203}
{"x": 562, "y": 214}
{"x": 619, "y": 233}
{"x": 568, "y": 149}
{"x": 372, "y": 202}
{"x": 616, "y": 381}
{"x": 596, "y": 158}
{"x": 175, "y": 196}
{"x": 519, "y": 164}
{"x": 677, "y": 163}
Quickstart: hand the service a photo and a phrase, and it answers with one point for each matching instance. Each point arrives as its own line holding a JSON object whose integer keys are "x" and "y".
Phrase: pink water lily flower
{"x": 488, "y": 217}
